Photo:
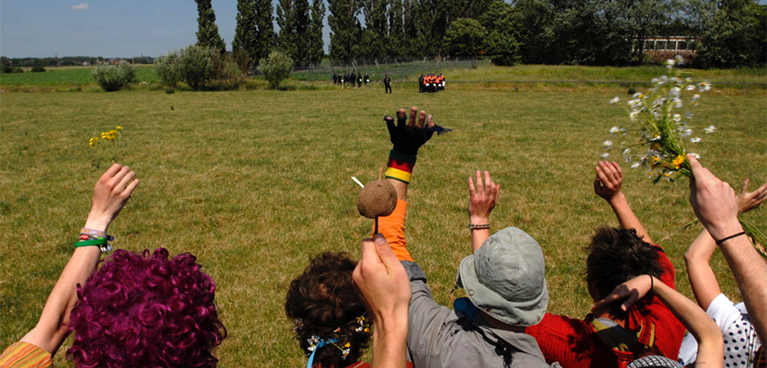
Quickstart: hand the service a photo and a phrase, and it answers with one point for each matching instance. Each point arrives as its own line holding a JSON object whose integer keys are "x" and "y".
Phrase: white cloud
{"x": 80, "y": 6}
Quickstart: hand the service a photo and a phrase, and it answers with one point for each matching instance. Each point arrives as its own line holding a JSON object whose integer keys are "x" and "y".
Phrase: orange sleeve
{"x": 393, "y": 229}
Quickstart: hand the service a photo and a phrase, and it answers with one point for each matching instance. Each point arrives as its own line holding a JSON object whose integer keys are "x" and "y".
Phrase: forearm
{"x": 389, "y": 338}
{"x": 478, "y": 236}
{"x": 702, "y": 278}
{"x": 703, "y": 328}
{"x": 52, "y": 328}
{"x": 750, "y": 273}
{"x": 626, "y": 216}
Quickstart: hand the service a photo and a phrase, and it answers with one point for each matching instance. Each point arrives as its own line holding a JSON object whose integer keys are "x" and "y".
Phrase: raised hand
{"x": 110, "y": 195}
{"x": 407, "y": 135}
{"x": 630, "y": 292}
{"x": 382, "y": 279}
{"x": 748, "y": 201}
{"x": 609, "y": 180}
{"x": 713, "y": 201}
{"x": 482, "y": 198}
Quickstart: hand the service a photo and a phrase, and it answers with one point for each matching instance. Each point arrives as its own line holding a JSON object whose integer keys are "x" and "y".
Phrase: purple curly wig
{"x": 146, "y": 311}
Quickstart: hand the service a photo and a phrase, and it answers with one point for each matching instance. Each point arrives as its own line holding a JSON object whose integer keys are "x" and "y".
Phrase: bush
{"x": 166, "y": 68}
{"x": 38, "y": 69}
{"x": 196, "y": 65}
{"x": 276, "y": 68}
{"x": 17, "y": 70}
{"x": 114, "y": 78}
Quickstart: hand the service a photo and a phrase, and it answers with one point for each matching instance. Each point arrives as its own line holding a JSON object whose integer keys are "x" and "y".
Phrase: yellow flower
{"x": 367, "y": 329}
{"x": 119, "y": 127}
{"x": 104, "y": 135}
{"x": 112, "y": 132}
{"x": 678, "y": 161}
{"x": 93, "y": 142}
{"x": 347, "y": 345}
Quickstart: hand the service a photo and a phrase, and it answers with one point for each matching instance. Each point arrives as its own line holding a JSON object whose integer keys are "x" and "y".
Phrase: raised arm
{"x": 702, "y": 277}
{"x": 482, "y": 200}
{"x": 703, "y": 328}
{"x": 607, "y": 184}
{"x": 385, "y": 288}
{"x": 407, "y": 136}
{"x": 111, "y": 193}
{"x": 716, "y": 206}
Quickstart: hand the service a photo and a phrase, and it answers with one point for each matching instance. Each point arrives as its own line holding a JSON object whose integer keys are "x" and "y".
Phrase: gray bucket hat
{"x": 506, "y": 279}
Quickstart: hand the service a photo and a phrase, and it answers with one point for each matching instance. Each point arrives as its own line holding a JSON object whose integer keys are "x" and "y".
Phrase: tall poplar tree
{"x": 286, "y": 38}
{"x": 396, "y": 37}
{"x": 207, "y": 30}
{"x": 316, "y": 43}
{"x": 265, "y": 23}
{"x": 413, "y": 27}
{"x": 344, "y": 28}
{"x": 244, "y": 46}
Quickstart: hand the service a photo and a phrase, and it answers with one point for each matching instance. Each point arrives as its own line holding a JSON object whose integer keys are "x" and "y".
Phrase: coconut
{"x": 377, "y": 198}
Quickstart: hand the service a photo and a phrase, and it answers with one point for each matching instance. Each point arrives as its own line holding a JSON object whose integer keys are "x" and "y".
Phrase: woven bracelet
{"x": 719, "y": 242}
{"x": 479, "y": 227}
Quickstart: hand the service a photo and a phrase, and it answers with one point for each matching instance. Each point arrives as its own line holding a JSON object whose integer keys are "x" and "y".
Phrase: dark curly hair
{"x": 146, "y": 311}
{"x": 323, "y": 302}
{"x": 617, "y": 255}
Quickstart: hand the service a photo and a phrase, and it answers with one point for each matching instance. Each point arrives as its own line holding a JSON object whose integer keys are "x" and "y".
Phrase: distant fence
{"x": 399, "y": 68}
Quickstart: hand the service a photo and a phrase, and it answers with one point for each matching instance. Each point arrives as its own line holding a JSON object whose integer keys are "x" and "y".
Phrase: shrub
{"x": 17, "y": 70}
{"x": 113, "y": 78}
{"x": 38, "y": 69}
{"x": 166, "y": 68}
{"x": 276, "y": 68}
{"x": 196, "y": 65}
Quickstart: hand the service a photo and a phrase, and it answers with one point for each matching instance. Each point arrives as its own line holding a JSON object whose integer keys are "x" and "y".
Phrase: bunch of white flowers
{"x": 663, "y": 127}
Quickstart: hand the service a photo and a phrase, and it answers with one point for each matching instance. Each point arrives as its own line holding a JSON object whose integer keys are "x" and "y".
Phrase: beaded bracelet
{"x": 93, "y": 232}
{"x": 479, "y": 227}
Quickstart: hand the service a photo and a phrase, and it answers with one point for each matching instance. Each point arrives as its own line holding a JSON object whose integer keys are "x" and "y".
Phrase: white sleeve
{"x": 723, "y": 312}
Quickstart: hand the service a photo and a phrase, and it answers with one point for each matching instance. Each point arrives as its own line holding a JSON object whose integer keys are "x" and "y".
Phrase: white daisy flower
{"x": 695, "y": 139}
{"x": 710, "y": 129}
{"x": 607, "y": 144}
{"x": 614, "y": 100}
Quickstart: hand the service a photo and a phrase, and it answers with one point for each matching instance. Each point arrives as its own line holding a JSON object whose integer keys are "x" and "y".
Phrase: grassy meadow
{"x": 255, "y": 182}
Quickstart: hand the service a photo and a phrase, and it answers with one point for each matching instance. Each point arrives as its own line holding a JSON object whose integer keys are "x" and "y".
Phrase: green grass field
{"x": 68, "y": 78}
{"x": 255, "y": 182}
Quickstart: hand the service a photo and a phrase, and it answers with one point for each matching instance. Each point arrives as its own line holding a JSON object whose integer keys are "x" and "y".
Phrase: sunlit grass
{"x": 255, "y": 182}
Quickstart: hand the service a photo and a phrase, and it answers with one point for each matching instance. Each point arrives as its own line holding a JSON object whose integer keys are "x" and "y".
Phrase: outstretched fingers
{"x": 412, "y": 118}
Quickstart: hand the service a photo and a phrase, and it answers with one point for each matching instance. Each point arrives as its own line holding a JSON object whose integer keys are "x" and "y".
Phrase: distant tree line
{"x": 66, "y": 61}
{"x": 725, "y": 33}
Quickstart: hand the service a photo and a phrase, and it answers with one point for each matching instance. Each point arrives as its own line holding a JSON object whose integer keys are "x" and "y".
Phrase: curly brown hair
{"x": 617, "y": 255}
{"x": 323, "y": 302}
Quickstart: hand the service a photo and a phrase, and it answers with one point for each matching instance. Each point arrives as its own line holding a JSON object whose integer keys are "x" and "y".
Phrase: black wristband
{"x": 720, "y": 241}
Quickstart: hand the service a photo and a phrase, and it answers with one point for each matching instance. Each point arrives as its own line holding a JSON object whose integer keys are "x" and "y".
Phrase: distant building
{"x": 677, "y": 44}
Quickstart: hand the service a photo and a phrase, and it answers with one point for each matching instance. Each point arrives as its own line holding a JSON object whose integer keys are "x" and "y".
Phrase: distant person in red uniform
{"x": 611, "y": 337}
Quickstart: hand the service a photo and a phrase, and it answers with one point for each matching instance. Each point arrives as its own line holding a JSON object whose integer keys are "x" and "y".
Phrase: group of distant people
{"x": 149, "y": 309}
{"x": 350, "y": 79}
{"x": 431, "y": 83}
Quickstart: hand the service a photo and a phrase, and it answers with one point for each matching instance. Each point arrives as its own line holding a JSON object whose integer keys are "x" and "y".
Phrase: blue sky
{"x": 109, "y": 28}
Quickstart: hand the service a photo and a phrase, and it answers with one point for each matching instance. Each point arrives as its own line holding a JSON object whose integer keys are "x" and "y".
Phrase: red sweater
{"x": 574, "y": 344}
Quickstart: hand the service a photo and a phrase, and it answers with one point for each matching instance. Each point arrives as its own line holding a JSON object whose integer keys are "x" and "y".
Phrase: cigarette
{"x": 357, "y": 181}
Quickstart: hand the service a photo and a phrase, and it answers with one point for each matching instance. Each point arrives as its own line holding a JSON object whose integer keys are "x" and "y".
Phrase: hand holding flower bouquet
{"x": 664, "y": 129}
